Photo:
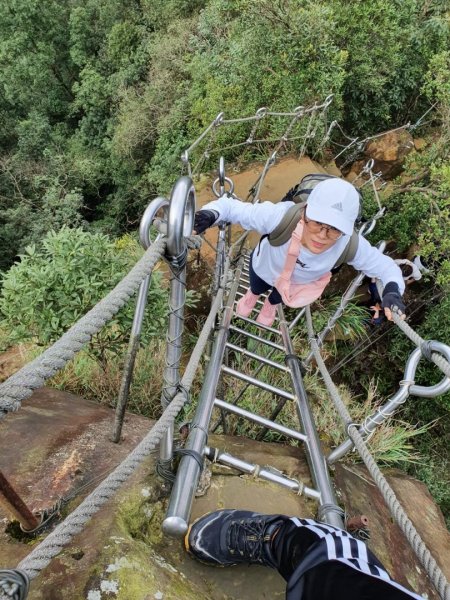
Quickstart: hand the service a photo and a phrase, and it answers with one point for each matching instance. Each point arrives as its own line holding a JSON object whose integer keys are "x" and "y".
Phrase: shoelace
{"x": 247, "y": 538}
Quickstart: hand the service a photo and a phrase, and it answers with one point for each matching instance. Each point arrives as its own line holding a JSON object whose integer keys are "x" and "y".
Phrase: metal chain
{"x": 405, "y": 524}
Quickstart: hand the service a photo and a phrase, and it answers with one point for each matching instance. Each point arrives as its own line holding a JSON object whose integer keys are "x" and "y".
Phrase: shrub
{"x": 54, "y": 285}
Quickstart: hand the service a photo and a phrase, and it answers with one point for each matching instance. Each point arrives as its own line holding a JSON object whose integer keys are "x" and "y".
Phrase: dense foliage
{"x": 99, "y": 98}
{"x": 56, "y": 283}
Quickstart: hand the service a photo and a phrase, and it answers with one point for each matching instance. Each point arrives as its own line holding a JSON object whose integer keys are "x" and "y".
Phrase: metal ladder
{"x": 196, "y": 448}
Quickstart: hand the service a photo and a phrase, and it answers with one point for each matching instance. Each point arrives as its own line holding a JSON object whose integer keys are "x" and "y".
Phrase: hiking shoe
{"x": 267, "y": 314}
{"x": 230, "y": 537}
{"x": 246, "y": 304}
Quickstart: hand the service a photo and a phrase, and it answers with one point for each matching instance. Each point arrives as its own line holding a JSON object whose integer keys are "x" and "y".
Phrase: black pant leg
{"x": 257, "y": 285}
{"x": 330, "y": 580}
{"x": 290, "y": 546}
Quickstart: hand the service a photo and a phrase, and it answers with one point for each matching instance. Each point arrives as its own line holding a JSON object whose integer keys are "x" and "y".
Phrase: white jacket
{"x": 268, "y": 261}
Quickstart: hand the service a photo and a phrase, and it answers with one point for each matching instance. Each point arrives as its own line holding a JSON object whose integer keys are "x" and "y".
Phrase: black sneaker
{"x": 230, "y": 537}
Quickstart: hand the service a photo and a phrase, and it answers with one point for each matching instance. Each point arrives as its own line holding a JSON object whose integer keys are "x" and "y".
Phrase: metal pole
{"x": 15, "y": 505}
{"x": 318, "y": 466}
{"x": 133, "y": 348}
{"x": 265, "y": 473}
{"x": 180, "y": 222}
{"x": 407, "y": 388}
{"x": 135, "y": 337}
{"x": 171, "y": 373}
{"x": 178, "y": 513}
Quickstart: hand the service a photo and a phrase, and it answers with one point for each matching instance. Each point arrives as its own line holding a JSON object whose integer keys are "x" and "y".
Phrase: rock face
{"x": 389, "y": 152}
{"x": 122, "y": 554}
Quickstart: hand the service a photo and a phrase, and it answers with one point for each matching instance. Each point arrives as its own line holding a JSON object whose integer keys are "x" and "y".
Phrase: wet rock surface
{"x": 389, "y": 151}
{"x": 122, "y": 552}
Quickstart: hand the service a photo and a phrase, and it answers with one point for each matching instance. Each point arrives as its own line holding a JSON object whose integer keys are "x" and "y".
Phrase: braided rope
{"x": 438, "y": 359}
{"x": 40, "y": 556}
{"x": 33, "y": 376}
{"x": 436, "y": 575}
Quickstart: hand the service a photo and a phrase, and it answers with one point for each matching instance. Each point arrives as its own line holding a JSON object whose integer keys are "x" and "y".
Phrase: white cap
{"x": 334, "y": 202}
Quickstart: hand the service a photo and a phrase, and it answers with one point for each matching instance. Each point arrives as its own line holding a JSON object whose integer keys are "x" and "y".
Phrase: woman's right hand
{"x": 204, "y": 219}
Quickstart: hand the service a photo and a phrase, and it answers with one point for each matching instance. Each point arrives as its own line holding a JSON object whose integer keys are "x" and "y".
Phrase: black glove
{"x": 392, "y": 297}
{"x": 204, "y": 219}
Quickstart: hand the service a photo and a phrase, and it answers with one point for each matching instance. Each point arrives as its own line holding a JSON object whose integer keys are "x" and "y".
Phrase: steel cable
{"x": 41, "y": 555}
{"x": 435, "y": 573}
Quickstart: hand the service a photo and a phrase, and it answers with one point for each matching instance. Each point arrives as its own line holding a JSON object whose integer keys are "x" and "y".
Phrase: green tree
{"x": 57, "y": 282}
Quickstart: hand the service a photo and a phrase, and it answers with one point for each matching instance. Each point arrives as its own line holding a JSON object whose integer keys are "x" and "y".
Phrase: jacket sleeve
{"x": 262, "y": 217}
{"x": 374, "y": 263}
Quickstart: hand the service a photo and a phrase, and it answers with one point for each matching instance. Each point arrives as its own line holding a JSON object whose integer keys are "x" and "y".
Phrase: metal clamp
{"x": 15, "y": 583}
{"x": 328, "y": 101}
{"x": 368, "y": 166}
{"x": 147, "y": 219}
{"x": 219, "y": 119}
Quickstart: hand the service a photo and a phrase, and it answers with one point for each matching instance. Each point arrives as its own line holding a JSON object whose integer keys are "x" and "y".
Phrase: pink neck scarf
{"x": 296, "y": 295}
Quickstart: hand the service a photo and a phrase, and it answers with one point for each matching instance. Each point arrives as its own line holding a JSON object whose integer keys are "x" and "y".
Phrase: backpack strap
{"x": 283, "y": 231}
{"x": 349, "y": 252}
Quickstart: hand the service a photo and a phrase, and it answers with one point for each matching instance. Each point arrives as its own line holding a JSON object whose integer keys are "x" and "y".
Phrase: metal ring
{"x": 328, "y": 100}
{"x": 222, "y": 171}
{"x": 261, "y": 112}
{"x": 299, "y": 110}
{"x": 180, "y": 220}
{"x": 431, "y": 391}
{"x": 218, "y": 120}
{"x": 147, "y": 220}
{"x": 18, "y": 582}
{"x": 216, "y": 192}
{"x": 369, "y": 165}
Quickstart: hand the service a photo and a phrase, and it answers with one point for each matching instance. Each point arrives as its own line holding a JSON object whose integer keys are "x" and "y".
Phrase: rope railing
{"x": 22, "y": 384}
{"x": 42, "y": 554}
{"x": 424, "y": 345}
{"x": 314, "y": 114}
{"x": 32, "y": 376}
{"x": 434, "y": 571}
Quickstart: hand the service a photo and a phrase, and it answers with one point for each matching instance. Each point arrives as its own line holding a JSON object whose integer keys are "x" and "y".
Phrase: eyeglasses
{"x": 316, "y": 227}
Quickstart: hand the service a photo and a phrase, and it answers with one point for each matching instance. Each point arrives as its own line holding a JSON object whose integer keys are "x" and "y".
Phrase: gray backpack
{"x": 299, "y": 194}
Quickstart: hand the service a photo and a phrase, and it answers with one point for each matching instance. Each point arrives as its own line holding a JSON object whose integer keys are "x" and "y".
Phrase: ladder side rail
{"x": 179, "y": 510}
{"x": 329, "y": 509}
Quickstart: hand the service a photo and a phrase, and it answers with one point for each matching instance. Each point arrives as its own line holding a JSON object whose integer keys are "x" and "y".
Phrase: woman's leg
{"x": 257, "y": 285}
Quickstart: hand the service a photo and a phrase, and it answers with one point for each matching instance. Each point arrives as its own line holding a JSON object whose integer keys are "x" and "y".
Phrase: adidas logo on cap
{"x": 338, "y": 206}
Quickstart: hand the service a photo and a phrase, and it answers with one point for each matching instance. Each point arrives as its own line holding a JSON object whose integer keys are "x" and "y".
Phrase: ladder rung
{"x": 237, "y": 410}
{"x": 257, "y": 338}
{"x": 257, "y": 383}
{"x": 265, "y": 327}
{"x": 263, "y": 359}
{"x": 267, "y": 473}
